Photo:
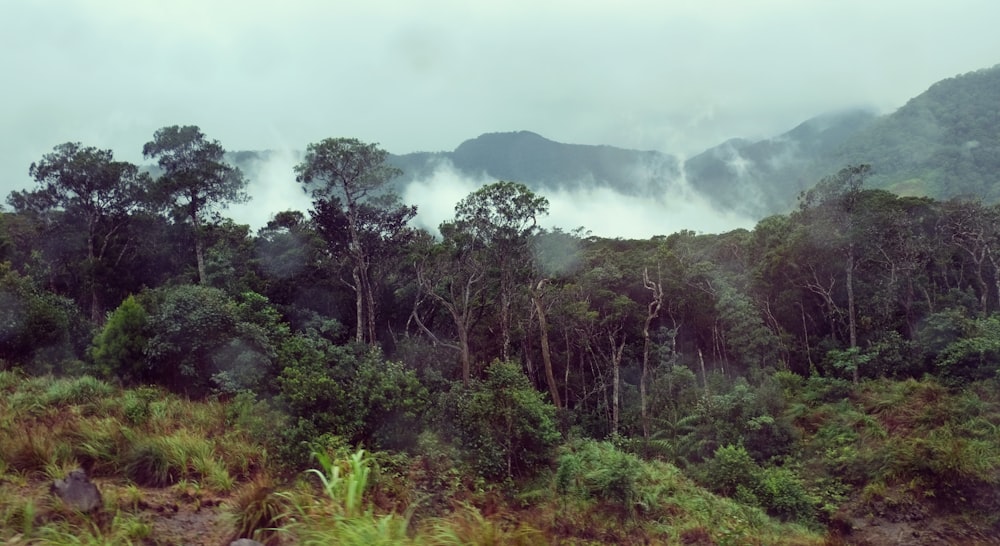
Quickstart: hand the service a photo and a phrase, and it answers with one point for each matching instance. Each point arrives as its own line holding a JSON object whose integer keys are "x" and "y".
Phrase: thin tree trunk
{"x": 652, "y": 312}
{"x": 704, "y": 375}
{"x": 851, "y": 322}
{"x": 359, "y": 330}
{"x": 370, "y": 305}
{"x": 543, "y": 328}
{"x": 616, "y": 364}
{"x": 199, "y": 249}
{"x": 95, "y": 298}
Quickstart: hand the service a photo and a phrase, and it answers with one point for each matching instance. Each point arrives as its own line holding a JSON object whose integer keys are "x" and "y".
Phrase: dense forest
{"x": 835, "y": 368}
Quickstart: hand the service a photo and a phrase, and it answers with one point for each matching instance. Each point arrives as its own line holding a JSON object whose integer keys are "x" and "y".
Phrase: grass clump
{"x": 259, "y": 511}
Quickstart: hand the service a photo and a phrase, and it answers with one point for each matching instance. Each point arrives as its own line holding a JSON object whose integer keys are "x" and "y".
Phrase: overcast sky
{"x": 669, "y": 75}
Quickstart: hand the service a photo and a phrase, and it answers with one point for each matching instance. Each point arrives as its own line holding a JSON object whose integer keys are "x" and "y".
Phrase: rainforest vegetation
{"x": 340, "y": 376}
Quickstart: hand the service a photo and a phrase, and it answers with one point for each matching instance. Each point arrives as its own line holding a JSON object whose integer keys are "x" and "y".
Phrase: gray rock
{"x": 78, "y": 492}
{"x": 245, "y": 542}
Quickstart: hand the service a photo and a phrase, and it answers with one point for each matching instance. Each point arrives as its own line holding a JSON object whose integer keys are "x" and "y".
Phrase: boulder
{"x": 77, "y": 492}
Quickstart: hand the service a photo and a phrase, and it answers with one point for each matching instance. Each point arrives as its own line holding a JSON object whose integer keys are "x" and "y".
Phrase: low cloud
{"x": 272, "y": 188}
{"x": 601, "y": 210}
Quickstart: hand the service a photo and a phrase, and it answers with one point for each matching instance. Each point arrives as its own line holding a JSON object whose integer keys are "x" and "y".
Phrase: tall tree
{"x": 502, "y": 217}
{"x": 451, "y": 272}
{"x": 345, "y": 174}
{"x": 88, "y": 184}
{"x": 195, "y": 178}
{"x": 833, "y": 202}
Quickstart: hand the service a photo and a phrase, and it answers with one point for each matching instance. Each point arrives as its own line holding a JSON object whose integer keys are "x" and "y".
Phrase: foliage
{"x": 352, "y": 393}
{"x": 36, "y": 326}
{"x": 974, "y": 356}
{"x": 778, "y": 490}
{"x": 503, "y": 422}
{"x": 600, "y": 471}
{"x": 181, "y": 361}
{"x": 195, "y": 179}
{"x": 119, "y": 349}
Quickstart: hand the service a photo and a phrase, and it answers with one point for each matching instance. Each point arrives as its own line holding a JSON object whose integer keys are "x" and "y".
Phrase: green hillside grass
{"x": 163, "y": 462}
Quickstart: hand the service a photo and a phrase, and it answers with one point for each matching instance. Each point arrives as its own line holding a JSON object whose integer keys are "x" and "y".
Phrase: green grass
{"x": 144, "y": 441}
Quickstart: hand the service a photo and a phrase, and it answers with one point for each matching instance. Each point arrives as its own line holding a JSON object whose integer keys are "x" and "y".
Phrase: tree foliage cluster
{"x": 354, "y": 327}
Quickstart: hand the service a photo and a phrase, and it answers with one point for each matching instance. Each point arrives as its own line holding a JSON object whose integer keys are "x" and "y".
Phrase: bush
{"x": 119, "y": 349}
{"x": 38, "y": 329}
{"x": 730, "y": 468}
{"x": 732, "y": 472}
{"x": 356, "y": 395}
{"x": 189, "y": 325}
{"x": 781, "y": 493}
{"x": 504, "y": 422}
{"x": 600, "y": 471}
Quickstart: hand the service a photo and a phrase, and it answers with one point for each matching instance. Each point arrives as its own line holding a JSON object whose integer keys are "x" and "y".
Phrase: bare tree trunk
{"x": 370, "y": 305}
{"x": 199, "y": 249}
{"x": 704, "y": 376}
{"x": 851, "y": 322}
{"x": 616, "y": 364}
{"x": 359, "y": 329}
{"x": 95, "y": 296}
{"x": 543, "y": 327}
{"x": 652, "y": 312}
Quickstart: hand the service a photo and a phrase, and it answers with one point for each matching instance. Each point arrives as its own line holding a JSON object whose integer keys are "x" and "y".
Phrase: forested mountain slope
{"x": 943, "y": 143}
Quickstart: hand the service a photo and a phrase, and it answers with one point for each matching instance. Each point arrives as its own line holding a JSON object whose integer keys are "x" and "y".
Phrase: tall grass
{"x": 344, "y": 516}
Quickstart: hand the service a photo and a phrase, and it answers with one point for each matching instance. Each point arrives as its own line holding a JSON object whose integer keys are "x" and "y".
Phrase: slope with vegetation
{"x": 341, "y": 376}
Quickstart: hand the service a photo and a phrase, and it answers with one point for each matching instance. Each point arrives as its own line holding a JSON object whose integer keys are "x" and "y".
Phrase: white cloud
{"x": 602, "y": 211}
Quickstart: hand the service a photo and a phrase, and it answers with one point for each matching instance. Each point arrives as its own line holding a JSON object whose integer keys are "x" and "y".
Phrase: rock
{"x": 245, "y": 542}
{"x": 77, "y": 492}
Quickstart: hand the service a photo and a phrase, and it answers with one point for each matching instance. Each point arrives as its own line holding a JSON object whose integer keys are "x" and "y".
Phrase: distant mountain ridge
{"x": 943, "y": 143}
{"x": 544, "y": 164}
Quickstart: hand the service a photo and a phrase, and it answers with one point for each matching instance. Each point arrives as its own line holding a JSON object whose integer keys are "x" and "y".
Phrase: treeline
{"x": 346, "y": 322}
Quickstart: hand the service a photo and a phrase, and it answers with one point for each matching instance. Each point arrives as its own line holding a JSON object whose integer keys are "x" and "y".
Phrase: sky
{"x": 676, "y": 76}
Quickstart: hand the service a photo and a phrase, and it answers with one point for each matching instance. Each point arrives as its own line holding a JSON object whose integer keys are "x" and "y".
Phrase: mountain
{"x": 743, "y": 176}
{"x": 943, "y": 143}
{"x": 765, "y": 176}
{"x": 543, "y": 164}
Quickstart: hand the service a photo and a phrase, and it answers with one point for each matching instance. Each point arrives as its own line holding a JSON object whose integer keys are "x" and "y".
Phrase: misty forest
{"x": 341, "y": 376}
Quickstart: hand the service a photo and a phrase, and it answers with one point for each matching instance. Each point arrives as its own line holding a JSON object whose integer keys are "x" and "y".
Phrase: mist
{"x": 602, "y": 211}
{"x": 272, "y": 188}
{"x": 599, "y": 210}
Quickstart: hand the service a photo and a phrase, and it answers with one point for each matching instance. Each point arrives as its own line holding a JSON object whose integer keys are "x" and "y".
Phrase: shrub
{"x": 600, "y": 471}
{"x": 732, "y": 472}
{"x": 189, "y": 324}
{"x": 38, "y": 329}
{"x": 119, "y": 349}
{"x": 360, "y": 397}
{"x": 504, "y": 422}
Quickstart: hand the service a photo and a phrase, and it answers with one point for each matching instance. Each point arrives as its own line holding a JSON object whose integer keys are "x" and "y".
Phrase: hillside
{"x": 765, "y": 176}
{"x": 942, "y": 143}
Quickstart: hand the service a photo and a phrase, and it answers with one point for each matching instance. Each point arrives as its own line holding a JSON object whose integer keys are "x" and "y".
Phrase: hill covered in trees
{"x": 832, "y": 372}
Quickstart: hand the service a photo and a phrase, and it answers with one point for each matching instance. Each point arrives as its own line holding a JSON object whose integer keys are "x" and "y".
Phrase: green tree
{"x": 120, "y": 347}
{"x": 832, "y": 204}
{"x": 452, "y": 274}
{"x": 36, "y": 326}
{"x": 353, "y": 393}
{"x": 344, "y": 174}
{"x": 88, "y": 184}
{"x": 190, "y": 326}
{"x": 196, "y": 178}
{"x": 505, "y": 422}
{"x": 501, "y": 218}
